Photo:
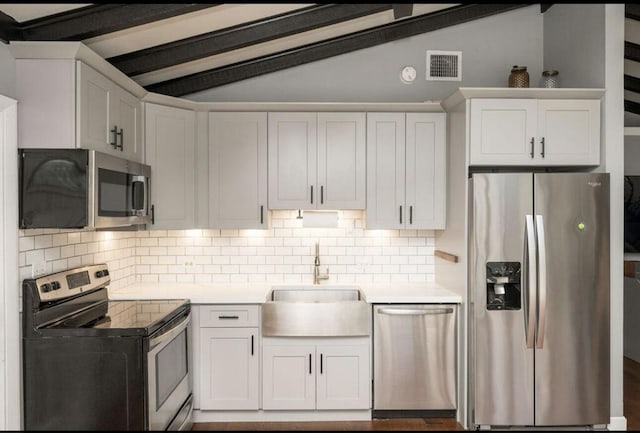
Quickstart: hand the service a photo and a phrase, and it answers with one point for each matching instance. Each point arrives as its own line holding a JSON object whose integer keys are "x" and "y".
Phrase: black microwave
{"x": 78, "y": 188}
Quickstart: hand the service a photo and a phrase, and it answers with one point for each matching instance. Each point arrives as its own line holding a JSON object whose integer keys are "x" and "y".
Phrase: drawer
{"x": 229, "y": 316}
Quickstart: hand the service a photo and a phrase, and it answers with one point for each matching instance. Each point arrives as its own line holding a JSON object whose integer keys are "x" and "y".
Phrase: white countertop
{"x": 256, "y": 293}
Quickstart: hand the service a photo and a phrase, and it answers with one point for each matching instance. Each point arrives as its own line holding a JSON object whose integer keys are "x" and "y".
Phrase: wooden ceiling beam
{"x": 95, "y": 20}
{"x": 9, "y": 29}
{"x": 213, "y": 43}
{"x": 344, "y": 44}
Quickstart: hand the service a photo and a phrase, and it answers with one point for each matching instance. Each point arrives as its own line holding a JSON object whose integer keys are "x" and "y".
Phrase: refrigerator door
{"x": 572, "y": 336}
{"x": 501, "y": 363}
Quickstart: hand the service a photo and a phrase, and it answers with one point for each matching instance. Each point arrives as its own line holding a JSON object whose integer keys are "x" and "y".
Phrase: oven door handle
{"x": 170, "y": 333}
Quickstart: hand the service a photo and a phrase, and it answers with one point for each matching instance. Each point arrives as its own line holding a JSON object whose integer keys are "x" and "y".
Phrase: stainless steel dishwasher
{"x": 414, "y": 359}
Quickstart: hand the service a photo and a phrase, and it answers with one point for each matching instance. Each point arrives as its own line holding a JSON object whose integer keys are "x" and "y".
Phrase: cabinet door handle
{"x": 410, "y": 214}
{"x": 153, "y": 214}
{"x": 321, "y": 363}
{"x": 532, "y": 141}
{"x": 121, "y": 134}
{"x": 311, "y": 194}
{"x": 114, "y": 131}
{"x": 542, "y": 142}
{"x": 228, "y": 317}
{"x": 261, "y": 214}
{"x": 321, "y": 194}
{"x": 252, "y": 345}
{"x": 309, "y": 363}
{"x": 400, "y": 214}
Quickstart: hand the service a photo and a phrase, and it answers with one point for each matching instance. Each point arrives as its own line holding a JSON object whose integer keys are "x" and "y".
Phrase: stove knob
{"x": 45, "y": 288}
{"x": 100, "y": 274}
{"x": 55, "y": 285}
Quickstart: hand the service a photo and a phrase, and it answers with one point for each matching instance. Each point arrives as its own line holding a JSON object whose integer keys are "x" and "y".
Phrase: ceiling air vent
{"x": 444, "y": 65}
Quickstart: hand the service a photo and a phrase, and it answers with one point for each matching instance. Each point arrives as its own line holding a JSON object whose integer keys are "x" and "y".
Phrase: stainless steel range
{"x": 94, "y": 364}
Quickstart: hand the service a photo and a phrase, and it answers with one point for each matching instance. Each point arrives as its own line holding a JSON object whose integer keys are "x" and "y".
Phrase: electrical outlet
{"x": 38, "y": 268}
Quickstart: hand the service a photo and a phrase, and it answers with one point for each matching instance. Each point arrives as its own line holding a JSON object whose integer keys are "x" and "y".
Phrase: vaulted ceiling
{"x": 180, "y": 49}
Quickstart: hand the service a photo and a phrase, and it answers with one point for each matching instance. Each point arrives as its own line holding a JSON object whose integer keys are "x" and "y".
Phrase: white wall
{"x": 489, "y": 46}
{"x": 574, "y": 44}
{"x": 7, "y": 72}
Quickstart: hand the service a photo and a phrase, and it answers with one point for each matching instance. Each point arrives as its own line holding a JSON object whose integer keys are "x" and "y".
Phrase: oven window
{"x": 171, "y": 367}
{"x": 113, "y": 193}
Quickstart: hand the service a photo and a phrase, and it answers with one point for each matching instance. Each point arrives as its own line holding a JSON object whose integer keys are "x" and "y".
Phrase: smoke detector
{"x": 444, "y": 65}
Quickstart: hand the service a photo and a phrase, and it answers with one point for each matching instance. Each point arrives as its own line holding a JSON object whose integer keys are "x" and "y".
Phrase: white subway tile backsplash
{"x": 282, "y": 254}
{"x": 44, "y": 241}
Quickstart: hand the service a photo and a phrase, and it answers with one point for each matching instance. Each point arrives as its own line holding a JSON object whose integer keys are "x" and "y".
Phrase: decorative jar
{"x": 519, "y": 77}
{"x": 550, "y": 78}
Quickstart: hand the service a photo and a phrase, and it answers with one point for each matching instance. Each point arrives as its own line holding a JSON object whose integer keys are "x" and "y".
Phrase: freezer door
{"x": 572, "y": 336}
{"x": 501, "y": 363}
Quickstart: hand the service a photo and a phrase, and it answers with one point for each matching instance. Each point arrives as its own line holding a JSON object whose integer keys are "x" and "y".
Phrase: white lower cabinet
{"x": 227, "y": 371}
{"x": 311, "y": 373}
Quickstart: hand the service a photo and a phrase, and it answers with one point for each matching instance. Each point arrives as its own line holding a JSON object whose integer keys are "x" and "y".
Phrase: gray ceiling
{"x": 180, "y": 49}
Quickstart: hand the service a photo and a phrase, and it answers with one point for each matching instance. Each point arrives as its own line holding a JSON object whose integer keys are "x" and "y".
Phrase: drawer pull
{"x": 228, "y": 317}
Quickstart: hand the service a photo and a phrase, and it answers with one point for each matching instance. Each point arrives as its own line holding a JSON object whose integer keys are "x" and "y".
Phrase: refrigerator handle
{"x": 542, "y": 298}
{"x": 530, "y": 282}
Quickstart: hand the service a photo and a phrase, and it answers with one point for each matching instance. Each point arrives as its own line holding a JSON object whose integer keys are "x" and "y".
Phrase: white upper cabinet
{"x": 537, "y": 132}
{"x": 406, "y": 170}
{"x": 109, "y": 117}
{"x": 317, "y": 160}
{"x": 341, "y": 160}
{"x": 238, "y": 170}
{"x": 170, "y": 151}
{"x": 65, "y": 103}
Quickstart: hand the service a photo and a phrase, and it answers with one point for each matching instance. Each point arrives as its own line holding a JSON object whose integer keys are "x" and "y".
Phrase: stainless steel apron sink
{"x": 315, "y": 311}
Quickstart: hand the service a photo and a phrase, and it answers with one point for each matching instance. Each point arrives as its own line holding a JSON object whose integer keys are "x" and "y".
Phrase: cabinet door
{"x": 292, "y": 161}
{"x": 385, "y": 170}
{"x": 426, "y": 171}
{"x": 126, "y": 119}
{"x": 288, "y": 377}
{"x": 502, "y": 131}
{"x": 238, "y": 170}
{"x": 343, "y": 377}
{"x": 229, "y": 368}
{"x": 342, "y": 160}
{"x": 94, "y": 91}
{"x": 570, "y": 130}
{"x": 169, "y": 150}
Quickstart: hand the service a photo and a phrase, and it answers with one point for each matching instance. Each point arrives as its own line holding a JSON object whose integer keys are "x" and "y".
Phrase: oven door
{"x": 169, "y": 380}
{"x": 120, "y": 191}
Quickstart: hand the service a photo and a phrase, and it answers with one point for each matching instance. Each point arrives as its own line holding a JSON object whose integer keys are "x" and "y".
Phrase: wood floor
{"x": 631, "y": 412}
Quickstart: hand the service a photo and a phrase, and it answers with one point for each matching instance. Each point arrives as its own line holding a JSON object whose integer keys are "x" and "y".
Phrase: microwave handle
{"x": 143, "y": 181}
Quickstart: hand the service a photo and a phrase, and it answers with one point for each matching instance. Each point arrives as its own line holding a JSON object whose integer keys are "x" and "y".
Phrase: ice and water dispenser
{"x": 503, "y": 286}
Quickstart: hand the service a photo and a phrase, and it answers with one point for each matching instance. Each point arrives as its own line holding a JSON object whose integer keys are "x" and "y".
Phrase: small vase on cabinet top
{"x": 550, "y": 78}
{"x": 519, "y": 77}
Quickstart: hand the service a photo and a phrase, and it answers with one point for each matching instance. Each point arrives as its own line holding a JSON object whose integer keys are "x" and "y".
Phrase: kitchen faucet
{"x": 317, "y": 276}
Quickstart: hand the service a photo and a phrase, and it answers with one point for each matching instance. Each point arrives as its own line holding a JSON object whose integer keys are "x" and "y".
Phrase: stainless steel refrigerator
{"x": 539, "y": 299}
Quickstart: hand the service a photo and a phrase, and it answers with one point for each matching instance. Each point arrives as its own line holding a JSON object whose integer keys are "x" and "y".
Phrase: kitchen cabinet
{"x": 317, "y": 160}
{"x": 406, "y": 171}
{"x": 537, "y": 132}
{"x": 238, "y": 170}
{"x": 170, "y": 151}
{"x": 316, "y": 374}
{"x": 67, "y": 104}
{"x": 228, "y": 369}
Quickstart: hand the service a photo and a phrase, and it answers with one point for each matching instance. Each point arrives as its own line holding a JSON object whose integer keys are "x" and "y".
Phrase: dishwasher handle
{"x": 414, "y": 312}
